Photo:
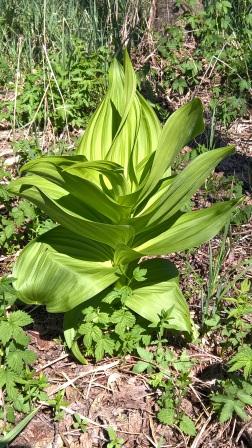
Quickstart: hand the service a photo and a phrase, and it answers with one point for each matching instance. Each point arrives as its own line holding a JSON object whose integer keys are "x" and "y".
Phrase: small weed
{"x": 17, "y": 381}
{"x": 232, "y": 399}
{"x": 79, "y": 423}
{"x": 56, "y": 403}
{"x": 231, "y": 317}
{"x": 26, "y": 150}
{"x": 169, "y": 374}
{"x": 242, "y": 360}
{"x": 19, "y": 220}
{"x": 114, "y": 440}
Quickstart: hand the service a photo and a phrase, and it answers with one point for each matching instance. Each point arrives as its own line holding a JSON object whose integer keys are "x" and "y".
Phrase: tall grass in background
{"x": 56, "y": 23}
{"x": 55, "y": 54}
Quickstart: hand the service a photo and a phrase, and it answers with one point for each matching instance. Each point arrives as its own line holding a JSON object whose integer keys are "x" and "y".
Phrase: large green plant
{"x": 116, "y": 201}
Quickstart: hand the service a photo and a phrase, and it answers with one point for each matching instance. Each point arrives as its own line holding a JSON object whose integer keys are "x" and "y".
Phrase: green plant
{"x": 235, "y": 396}
{"x": 210, "y": 46}
{"x": 19, "y": 386}
{"x": 242, "y": 360}
{"x": 232, "y": 314}
{"x": 60, "y": 93}
{"x": 215, "y": 288}
{"x": 170, "y": 374}
{"x": 79, "y": 423}
{"x": 26, "y": 150}
{"x": 116, "y": 201}
{"x": 56, "y": 403}
{"x": 238, "y": 327}
{"x": 14, "y": 432}
{"x": 19, "y": 220}
{"x": 114, "y": 441}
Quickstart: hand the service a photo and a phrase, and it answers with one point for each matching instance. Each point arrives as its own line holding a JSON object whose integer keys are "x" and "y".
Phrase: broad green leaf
{"x": 69, "y": 211}
{"x": 184, "y": 232}
{"x": 189, "y": 230}
{"x": 182, "y": 188}
{"x": 75, "y": 349}
{"x": 127, "y": 131}
{"x": 112, "y": 181}
{"x": 160, "y": 293}
{"x": 157, "y": 193}
{"x": 52, "y": 169}
{"x": 181, "y": 127}
{"x": 123, "y": 120}
{"x": 124, "y": 255}
{"x": 59, "y": 161}
{"x": 61, "y": 270}
{"x": 87, "y": 194}
{"x": 147, "y": 138}
{"x": 138, "y": 131}
{"x": 104, "y": 124}
{"x": 72, "y": 320}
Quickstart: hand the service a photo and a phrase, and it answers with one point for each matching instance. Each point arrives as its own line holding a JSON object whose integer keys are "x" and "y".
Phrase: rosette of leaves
{"x": 116, "y": 201}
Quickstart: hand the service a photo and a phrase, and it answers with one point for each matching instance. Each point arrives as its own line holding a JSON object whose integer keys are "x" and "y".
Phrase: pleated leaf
{"x": 160, "y": 292}
{"x": 59, "y": 161}
{"x": 182, "y": 188}
{"x": 104, "y": 124}
{"x": 107, "y": 175}
{"x": 190, "y": 230}
{"x": 181, "y": 127}
{"x": 70, "y": 211}
{"x": 61, "y": 270}
{"x": 125, "y": 128}
{"x": 81, "y": 185}
{"x": 186, "y": 231}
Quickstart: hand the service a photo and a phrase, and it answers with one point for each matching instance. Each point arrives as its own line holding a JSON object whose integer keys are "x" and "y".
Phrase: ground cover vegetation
{"x": 178, "y": 349}
{"x": 213, "y": 48}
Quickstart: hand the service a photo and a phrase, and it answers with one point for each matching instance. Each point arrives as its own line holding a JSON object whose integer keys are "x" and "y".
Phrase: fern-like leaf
{"x": 242, "y": 360}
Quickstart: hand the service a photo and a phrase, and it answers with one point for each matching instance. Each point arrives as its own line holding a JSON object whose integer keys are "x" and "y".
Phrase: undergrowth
{"x": 207, "y": 53}
{"x": 19, "y": 386}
